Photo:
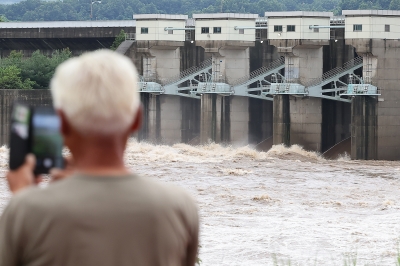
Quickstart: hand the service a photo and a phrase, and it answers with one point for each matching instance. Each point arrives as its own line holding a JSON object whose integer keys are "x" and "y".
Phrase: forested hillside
{"x": 33, "y": 10}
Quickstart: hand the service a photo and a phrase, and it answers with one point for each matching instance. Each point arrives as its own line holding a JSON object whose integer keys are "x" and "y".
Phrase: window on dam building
{"x": 387, "y": 28}
{"x": 144, "y": 30}
{"x": 278, "y": 28}
{"x": 217, "y": 30}
{"x": 241, "y": 31}
{"x": 357, "y": 27}
{"x": 291, "y": 28}
{"x": 205, "y": 30}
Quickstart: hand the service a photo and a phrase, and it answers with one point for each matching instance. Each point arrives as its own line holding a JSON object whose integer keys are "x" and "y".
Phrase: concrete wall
{"x": 167, "y": 62}
{"x": 228, "y": 33}
{"x": 305, "y": 64}
{"x": 158, "y": 59}
{"x": 302, "y": 30}
{"x": 373, "y": 27}
{"x": 156, "y": 30}
{"x": 230, "y": 64}
{"x": 7, "y": 97}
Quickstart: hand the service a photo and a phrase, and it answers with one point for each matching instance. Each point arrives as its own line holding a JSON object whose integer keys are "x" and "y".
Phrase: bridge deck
{"x": 68, "y": 24}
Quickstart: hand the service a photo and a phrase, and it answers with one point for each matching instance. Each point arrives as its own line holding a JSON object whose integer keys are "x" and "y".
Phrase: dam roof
{"x": 299, "y": 14}
{"x": 356, "y": 13}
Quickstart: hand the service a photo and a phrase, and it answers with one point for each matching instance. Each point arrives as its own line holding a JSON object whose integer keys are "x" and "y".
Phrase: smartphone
{"x": 36, "y": 130}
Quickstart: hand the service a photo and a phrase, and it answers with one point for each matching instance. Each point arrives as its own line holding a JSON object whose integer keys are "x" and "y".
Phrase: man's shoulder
{"x": 68, "y": 190}
{"x": 166, "y": 192}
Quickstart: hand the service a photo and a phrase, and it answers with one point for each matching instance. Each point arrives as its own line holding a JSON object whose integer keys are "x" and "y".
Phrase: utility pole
{"x": 91, "y": 7}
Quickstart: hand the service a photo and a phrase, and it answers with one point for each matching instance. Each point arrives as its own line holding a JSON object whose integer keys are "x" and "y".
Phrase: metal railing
{"x": 277, "y": 63}
{"x": 190, "y": 22}
{"x": 205, "y": 64}
{"x": 338, "y": 20}
{"x": 336, "y": 71}
{"x": 130, "y": 36}
{"x": 147, "y": 79}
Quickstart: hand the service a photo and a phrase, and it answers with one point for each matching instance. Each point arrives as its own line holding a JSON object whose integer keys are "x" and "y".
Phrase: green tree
{"x": 41, "y": 68}
{"x": 14, "y": 59}
{"x": 3, "y": 18}
{"x": 10, "y": 78}
{"x": 394, "y": 5}
{"x": 118, "y": 40}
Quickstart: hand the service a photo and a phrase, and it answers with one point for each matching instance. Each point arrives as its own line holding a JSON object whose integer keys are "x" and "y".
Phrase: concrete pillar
{"x": 209, "y": 113}
{"x": 281, "y": 120}
{"x": 167, "y": 61}
{"x": 224, "y": 119}
{"x": 169, "y": 119}
{"x": 231, "y": 63}
{"x": 381, "y": 63}
{"x": 363, "y": 128}
{"x": 150, "y": 130}
{"x": 239, "y": 120}
{"x": 302, "y": 66}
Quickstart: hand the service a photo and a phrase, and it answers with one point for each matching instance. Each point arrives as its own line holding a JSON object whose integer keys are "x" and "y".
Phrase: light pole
{"x": 91, "y": 8}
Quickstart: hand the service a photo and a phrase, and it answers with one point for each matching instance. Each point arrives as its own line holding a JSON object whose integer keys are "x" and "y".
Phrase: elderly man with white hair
{"x": 101, "y": 213}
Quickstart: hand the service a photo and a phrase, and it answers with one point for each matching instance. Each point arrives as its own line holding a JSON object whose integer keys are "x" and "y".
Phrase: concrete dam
{"x": 305, "y": 78}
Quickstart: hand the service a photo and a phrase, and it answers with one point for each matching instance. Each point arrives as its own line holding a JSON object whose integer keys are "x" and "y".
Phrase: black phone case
{"x": 19, "y": 134}
{"x": 21, "y": 137}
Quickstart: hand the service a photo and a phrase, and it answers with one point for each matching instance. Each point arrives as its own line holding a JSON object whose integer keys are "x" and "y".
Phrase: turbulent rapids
{"x": 285, "y": 206}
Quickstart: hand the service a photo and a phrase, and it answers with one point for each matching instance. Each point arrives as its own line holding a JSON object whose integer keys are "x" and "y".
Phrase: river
{"x": 286, "y": 206}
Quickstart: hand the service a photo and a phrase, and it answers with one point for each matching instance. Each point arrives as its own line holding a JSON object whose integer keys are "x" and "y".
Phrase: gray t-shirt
{"x": 92, "y": 220}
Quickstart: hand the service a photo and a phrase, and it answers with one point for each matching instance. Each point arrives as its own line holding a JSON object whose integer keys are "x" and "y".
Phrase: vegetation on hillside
{"x": 39, "y": 10}
{"x": 35, "y": 72}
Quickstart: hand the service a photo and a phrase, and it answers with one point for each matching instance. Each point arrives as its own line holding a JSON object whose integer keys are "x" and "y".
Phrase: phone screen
{"x": 47, "y": 142}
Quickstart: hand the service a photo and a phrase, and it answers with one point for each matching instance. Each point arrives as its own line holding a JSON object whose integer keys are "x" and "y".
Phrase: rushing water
{"x": 286, "y": 205}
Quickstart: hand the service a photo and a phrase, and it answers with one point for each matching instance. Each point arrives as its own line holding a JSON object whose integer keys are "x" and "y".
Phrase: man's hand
{"x": 58, "y": 174}
{"x": 23, "y": 177}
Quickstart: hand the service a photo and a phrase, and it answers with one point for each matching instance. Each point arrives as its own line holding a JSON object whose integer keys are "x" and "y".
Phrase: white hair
{"x": 97, "y": 91}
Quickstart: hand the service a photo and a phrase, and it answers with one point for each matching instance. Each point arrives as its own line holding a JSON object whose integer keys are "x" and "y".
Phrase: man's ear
{"x": 137, "y": 123}
{"x": 65, "y": 127}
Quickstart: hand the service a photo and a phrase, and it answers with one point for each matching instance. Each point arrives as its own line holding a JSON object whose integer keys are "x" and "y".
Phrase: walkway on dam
{"x": 264, "y": 83}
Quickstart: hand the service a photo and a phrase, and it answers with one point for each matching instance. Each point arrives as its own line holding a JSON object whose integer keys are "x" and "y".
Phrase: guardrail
{"x": 336, "y": 71}
{"x": 188, "y": 72}
{"x": 277, "y": 63}
{"x": 130, "y": 36}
